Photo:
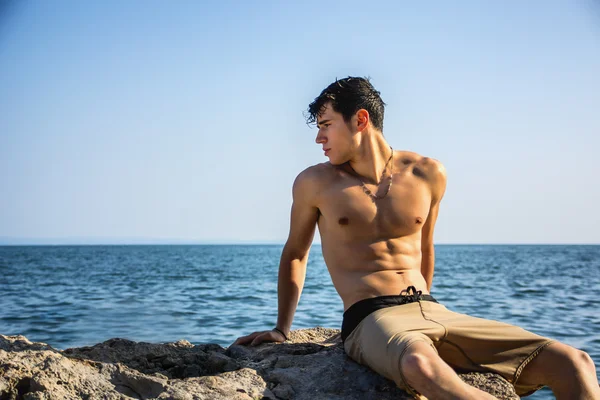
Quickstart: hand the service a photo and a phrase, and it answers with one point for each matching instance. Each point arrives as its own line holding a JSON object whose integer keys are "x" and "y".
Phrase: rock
{"x": 310, "y": 365}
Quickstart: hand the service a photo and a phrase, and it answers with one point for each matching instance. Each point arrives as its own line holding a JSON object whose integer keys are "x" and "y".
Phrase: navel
{"x": 419, "y": 220}
{"x": 344, "y": 221}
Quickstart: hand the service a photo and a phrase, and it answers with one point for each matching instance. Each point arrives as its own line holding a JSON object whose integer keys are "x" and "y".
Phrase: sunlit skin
{"x": 375, "y": 248}
{"x": 371, "y": 248}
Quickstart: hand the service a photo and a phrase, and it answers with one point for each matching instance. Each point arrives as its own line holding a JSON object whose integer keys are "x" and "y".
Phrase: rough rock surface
{"x": 311, "y": 365}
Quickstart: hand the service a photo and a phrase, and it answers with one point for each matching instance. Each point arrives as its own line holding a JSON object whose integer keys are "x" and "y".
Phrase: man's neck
{"x": 372, "y": 156}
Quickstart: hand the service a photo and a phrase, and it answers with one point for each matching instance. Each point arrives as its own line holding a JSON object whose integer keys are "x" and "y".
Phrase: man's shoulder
{"x": 431, "y": 167}
{"x": 312, "y": 179}
{"x": 316, "y": 174}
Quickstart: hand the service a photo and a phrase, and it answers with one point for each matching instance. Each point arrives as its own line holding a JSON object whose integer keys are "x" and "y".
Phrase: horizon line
{"x": 5, "y": 242}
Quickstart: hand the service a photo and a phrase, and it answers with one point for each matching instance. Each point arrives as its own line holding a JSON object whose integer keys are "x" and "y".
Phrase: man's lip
{"x": 326, "y": 151}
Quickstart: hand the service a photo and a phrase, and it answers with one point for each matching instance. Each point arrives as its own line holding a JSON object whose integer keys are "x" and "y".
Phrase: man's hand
{"x": 257, "y": 338}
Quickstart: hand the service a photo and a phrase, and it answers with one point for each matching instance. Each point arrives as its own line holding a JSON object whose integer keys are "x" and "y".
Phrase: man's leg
{"x": 427, "y": 373}
{"x": 569, "y": 372}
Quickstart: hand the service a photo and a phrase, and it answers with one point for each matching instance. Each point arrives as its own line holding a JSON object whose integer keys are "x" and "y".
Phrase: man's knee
{"x": 418, "y": 362}
{"x": 570, "y": 358}
{"x": 582, "y": 361}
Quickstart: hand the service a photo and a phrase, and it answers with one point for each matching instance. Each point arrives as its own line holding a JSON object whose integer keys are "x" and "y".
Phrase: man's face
{"x": 334, "y": 136}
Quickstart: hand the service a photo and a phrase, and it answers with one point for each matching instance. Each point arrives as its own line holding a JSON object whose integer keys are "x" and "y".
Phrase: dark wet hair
{"x": 346, "y": 97}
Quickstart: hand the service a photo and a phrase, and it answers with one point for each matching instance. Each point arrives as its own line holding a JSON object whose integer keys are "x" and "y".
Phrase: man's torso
{"x": 373, "y": 248}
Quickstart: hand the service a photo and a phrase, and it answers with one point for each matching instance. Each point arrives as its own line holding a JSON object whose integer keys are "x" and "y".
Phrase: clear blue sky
{"x": 154, "y": 121}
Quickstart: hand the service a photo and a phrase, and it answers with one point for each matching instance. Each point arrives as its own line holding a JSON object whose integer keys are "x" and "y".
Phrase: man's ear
{"x": 362, "y": 119}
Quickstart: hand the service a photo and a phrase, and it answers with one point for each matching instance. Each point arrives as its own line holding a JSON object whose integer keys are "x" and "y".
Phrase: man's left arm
{"x": 437, "y": 175}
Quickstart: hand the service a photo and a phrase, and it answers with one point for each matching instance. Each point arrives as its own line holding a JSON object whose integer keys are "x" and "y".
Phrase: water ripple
{"x": 71, "y": 296}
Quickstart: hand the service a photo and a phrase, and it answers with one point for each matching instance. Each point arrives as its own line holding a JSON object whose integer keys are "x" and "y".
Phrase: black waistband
{"x": 359, "y": 310}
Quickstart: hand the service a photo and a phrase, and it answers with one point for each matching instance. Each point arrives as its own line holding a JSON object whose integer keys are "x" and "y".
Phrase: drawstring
{"x": 408, "y": 297}
{"x": 362, "y": 308}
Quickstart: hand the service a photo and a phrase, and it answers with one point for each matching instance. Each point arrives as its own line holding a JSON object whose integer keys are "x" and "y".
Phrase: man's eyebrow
{"x": 323, "y": 122}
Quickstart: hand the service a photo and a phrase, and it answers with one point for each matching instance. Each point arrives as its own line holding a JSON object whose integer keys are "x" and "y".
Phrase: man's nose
{"x": 320, "y": 138}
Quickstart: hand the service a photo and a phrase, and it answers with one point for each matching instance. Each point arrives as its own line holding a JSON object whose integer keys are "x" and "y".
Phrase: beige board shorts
{"x": 467, "y": 344}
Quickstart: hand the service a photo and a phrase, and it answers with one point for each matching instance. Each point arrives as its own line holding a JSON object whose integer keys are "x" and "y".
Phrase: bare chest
{"x": 348, "y": 213}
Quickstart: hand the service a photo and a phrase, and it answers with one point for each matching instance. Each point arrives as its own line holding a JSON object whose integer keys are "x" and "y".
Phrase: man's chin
{"x": 333, "y": 161}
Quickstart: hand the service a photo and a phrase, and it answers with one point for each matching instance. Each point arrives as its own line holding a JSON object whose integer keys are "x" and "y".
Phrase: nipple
{"x": 343, "y": 221}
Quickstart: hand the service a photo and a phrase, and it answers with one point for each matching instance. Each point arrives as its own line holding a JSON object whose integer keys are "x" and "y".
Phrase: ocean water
{"x": 69, "y": 296}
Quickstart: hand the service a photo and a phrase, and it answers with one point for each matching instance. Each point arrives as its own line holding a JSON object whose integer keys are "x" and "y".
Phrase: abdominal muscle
{"x": 365, "y": 270}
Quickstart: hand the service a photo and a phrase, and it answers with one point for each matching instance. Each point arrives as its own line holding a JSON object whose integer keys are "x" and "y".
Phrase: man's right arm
{"x": 294, "y": 257}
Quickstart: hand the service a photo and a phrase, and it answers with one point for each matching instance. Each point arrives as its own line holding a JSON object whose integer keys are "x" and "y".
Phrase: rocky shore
{"x": 311, "y": 365}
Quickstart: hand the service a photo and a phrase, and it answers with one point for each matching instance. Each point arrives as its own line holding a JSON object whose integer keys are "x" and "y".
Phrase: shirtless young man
{"x": 376, "y": 210}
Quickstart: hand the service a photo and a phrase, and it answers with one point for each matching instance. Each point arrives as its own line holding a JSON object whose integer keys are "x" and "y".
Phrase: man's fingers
{"x": 256, "y": 341}
{"x": 262, "y": 337}
{"x": 257, "y": 338}
{"x": 246, "y": 339}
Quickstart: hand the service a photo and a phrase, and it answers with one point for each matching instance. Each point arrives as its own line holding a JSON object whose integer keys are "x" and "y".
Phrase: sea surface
{"x": 70, "y": 296}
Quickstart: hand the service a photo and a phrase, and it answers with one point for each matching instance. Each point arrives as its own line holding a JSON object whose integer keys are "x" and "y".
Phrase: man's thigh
{"x": 476, "y": 344}
{"x": 381, "y": 339}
